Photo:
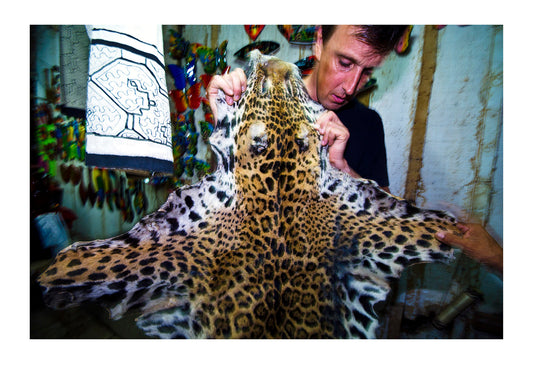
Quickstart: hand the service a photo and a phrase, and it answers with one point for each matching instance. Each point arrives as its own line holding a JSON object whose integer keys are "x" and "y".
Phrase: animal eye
{"x": 258, "y": 146}
{"x": 303, "y": 144}
{"x": 302, "y": 138}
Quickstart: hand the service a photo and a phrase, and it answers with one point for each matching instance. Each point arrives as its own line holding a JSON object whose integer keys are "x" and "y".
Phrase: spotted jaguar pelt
{"x": 276, "y": 243}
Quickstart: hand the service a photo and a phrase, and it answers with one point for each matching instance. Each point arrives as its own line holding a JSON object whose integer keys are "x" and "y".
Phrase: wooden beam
{"x": 413, "y": 184}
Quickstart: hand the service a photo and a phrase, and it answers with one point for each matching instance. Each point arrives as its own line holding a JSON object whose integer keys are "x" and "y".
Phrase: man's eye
{"x": 345, "y": 64}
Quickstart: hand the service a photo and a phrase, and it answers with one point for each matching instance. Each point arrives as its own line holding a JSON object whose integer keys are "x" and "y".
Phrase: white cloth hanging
{"x": 128, "y": 114}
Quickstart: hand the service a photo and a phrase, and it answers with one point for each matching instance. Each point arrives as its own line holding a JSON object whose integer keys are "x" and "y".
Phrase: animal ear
{"x": 255, "y": 57}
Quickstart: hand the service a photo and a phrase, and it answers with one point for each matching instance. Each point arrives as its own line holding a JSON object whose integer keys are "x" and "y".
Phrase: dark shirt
{"x": 365, "y": 151}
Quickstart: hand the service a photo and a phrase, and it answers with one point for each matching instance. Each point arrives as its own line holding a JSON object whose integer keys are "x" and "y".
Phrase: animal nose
{"x": 58, "y": 300}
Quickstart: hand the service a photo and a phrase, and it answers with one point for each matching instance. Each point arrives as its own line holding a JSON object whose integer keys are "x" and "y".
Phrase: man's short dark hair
{"x": 383, "y": 38}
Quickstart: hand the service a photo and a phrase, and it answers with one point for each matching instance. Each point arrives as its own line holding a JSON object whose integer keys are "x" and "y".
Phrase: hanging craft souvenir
{"x": 65, "y": 171}
{"x": 72, "y": 146}
{"x": 187, "y": 98}
{"x": 253, "y": 31}
{"x": 91, "y": 193}
{"x": 205, "y": 79}
{"x": 298, "y": 34}
{"x": 83, "y": 191}
{"x": 210, "y": 58}
{"x": 70, "y": 173}
{"x": 208, "y": 113}
{"x": 178, "y": 75}
{"x": 190, "y": 70}
{"x": 220, "y": 54}
{"x": 179, "y": 137}
{"x": 178, "y": 46}
{"x": 107, "y": 188}
{"x": 266, "y": 48}
{"x": 81, "y": 140}
{"x": 184, "y": 100}
{"x": 193, "y": 96}
{"x": 206, "y": 129}
{"x": 140, "y": 201}
{"x": 206, "y": 55}
{"x": 47, "y": 141}
{"x": 372, "y": 82}
{"x": 304, "y": 36}
{"x": 192, "y": 143}
{"x": 401, "y": 47}
{"x": 98, "y": 185}
{"x": 202, "y": 167}
{"x": 288, "y": 30}
{"x": 127, "y": 212}
{"x": 75, "y": 176}
{"x": 180, "y": 100}
{"x": 305, "y": 65}
{"x": 114, "y": 192}
{"x": 127, "y": 100}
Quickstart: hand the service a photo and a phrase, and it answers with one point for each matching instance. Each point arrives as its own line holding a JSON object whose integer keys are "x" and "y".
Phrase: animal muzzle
{"x": 58, "y": 299}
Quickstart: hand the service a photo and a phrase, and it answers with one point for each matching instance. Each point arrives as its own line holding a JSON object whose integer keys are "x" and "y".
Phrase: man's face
{"x": 344, "y": 66}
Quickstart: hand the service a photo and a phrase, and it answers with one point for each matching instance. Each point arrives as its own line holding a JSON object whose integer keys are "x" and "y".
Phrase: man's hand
{"x": 335, "y": 135}
{"x": 233, "y": 84}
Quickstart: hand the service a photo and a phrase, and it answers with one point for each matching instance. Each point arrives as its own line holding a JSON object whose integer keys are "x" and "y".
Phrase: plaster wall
{"x": 46, "y": 55}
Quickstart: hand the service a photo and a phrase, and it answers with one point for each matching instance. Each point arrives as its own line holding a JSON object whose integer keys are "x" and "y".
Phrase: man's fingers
{"x": 241, "y": 82}
{"x": 327, "y": 138}
{"x": 237, "y": 81}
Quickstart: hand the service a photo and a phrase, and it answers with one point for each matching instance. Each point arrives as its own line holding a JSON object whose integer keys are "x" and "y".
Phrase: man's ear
{"x": 318, "y": 43}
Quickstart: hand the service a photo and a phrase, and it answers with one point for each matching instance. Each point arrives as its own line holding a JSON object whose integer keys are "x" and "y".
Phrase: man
{"x": 346, "y": 56}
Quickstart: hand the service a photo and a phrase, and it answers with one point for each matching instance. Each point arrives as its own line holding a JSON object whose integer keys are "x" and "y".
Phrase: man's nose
{"x": 352, "y": 82}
